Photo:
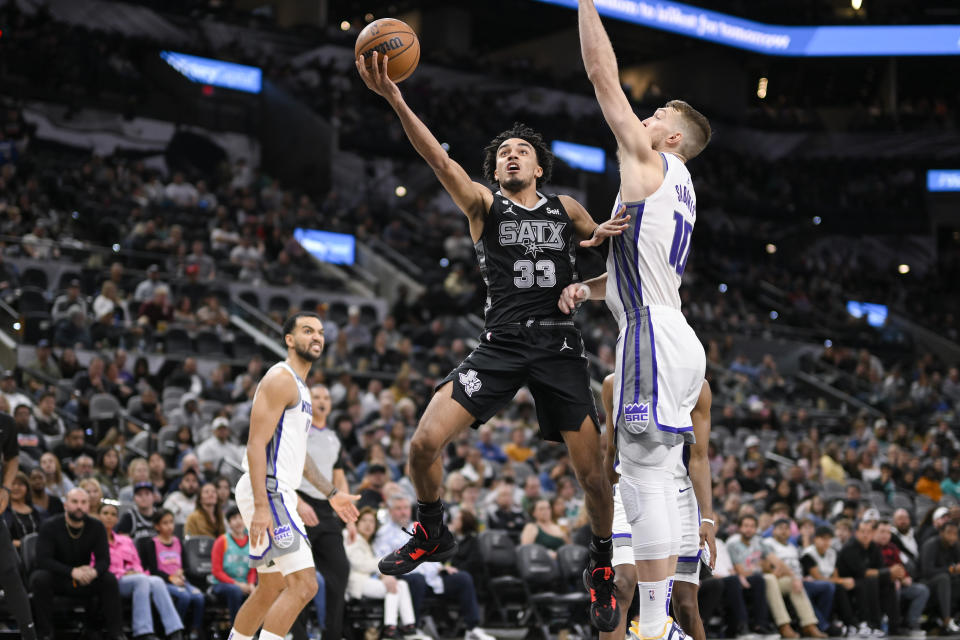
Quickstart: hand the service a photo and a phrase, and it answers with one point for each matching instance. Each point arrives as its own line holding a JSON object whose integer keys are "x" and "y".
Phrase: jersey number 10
{"x": 680, "y": 249}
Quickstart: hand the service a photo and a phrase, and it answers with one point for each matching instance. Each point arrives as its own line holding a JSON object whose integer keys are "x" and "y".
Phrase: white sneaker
{"x": 477, "y": 634}
{"x": 863, "y": 631}
{"x": 878, "y": 633}
{"x": 952, "y": 627}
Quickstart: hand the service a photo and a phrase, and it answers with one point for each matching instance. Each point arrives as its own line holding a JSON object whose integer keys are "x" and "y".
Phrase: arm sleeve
{"x": 11, "y": 448}
{"x": 216, "y": 558}
{"x": 46, "y": 557}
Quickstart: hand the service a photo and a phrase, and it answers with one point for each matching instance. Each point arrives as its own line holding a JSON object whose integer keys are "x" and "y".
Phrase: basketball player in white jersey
{"x": 660, "y": 362}
{"x": 275, "y": 463}
{"x": 692, "y": 483}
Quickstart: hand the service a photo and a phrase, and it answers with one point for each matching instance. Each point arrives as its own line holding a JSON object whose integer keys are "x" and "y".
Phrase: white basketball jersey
{"x": 287, "y": 450}
{"x": 646, "y": 262}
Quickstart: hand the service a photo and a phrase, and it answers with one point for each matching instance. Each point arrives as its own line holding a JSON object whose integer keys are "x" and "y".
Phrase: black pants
{"x": 756, "y": 600}
{"x": 843, "y": 607}
{"x": 330, "y": 558}
{"x": 14, "y": 592}
{"x": 45, "y": 585}
{"x": 945, "y": 591}
{"x": 873, "y": 597}
{"x": 726, "y": 591}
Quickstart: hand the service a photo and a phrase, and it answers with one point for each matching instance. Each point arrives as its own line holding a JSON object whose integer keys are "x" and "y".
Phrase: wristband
{"x": 705, "y": 520}
{"x": 332, "y": 493}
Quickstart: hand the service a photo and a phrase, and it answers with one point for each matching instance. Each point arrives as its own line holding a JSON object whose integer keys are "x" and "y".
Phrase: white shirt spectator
{"x": 724, "y": 565}
{"x": 180, "y": 506}
{"x": 183, "y": 194}
{"x": 788, "y": 553}
{"x": 825, "y": 563}
{"x": 218, "y": 447}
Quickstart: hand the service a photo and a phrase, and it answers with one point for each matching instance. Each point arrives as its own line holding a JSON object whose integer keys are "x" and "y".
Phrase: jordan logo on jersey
{"x": 637, "y": 415}
{"x": 471, "y": 383}
{"x": 534, "y": 235}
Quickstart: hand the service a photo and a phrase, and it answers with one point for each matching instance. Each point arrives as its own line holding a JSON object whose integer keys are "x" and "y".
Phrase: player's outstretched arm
{"x": 275, "y": 393}
{"x": 700, "y": 469}
{"x": 601, "y": 65}
{"x": 473, "y": 198}
{"x": 594, "y": 234}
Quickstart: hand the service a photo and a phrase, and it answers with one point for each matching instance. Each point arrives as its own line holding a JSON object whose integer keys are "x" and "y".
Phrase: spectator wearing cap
{"x": 218, "y": 447}
{"x": 820, "y": 592}
{"x": 62, "y": 306}
{"x": 819, "y": 562}
{"x": 13, "y": 395}
{"x": 932, "y": 523}
{"x": 183, "y": 501}
{"x": 940, "y": 568}
{"x": 913, "y": 594}
{"x": 146, "y": 288}
{"x": 138, "y": 521}
{"x": 188, "y": 415}
{"x": 874, "y": 591}
{"x": 74, "y": 330}
{"x": 44, "y": 363}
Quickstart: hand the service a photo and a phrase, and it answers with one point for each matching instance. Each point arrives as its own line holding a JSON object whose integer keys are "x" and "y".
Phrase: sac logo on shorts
{"x": 471, "y": 383}
{"x": 637, "y": 416}
{"x": 283, "y": 536}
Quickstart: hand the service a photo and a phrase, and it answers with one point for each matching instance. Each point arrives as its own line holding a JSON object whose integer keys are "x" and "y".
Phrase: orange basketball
{"x": 396, "y": 40}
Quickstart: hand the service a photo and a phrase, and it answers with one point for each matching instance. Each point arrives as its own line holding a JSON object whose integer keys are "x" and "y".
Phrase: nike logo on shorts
{"x": 687, "y": 489}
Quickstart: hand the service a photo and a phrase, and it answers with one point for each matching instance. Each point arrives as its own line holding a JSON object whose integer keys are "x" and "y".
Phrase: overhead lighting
{"x": 817, "y": 220}
{"x": 771, "y": 248}
{"x": 722, "y": 287}
{"x": 856, "y": 4}
{"x": 762, "y": 88}
{"x": 774, "y": 315}
{"x": 345, "y": 25}
{"x": 368, "y": 17}
{"x": 400, "y": 191}
{"x": 904, "y": 269}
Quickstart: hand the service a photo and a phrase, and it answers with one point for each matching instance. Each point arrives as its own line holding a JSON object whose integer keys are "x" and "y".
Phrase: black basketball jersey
{"x": 527, "y": 257}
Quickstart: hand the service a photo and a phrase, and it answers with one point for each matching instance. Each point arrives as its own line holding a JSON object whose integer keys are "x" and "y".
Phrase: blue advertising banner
{"x": 943, "y": 180}
{"x": 823, "y": 41}
{"x": 336, "y": 248}
{"x": 580, "y": 156}
{"x": 218, "y": 73}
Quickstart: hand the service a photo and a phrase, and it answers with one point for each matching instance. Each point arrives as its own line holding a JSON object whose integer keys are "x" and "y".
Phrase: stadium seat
{"x": 32, "y": 300}
{"x": 34, "y": 277}
{"x": 278, "y": 303}
{"x": 244, "y": 347}
{"x": 361, "y": 614}
{"x": 572, "y": 560}
{"x": 500, "y": 578}
{"x": 902, "y": 501}
{"x": 209, "y": 344}
{"x": 549, "y": 609}
{"x": 177, "y": 341}
{"x": 172, "y": 392}
{"x": 368, "y": 315}
{"x": 37, "y": 325}
{"x": 251, "y": 298}
{"x": 197, "y": 563}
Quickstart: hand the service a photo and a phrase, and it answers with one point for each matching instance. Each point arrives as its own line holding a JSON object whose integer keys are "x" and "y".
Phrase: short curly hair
{"x": 522, "y": 131}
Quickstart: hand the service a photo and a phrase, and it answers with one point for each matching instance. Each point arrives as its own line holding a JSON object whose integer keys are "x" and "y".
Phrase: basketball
{"x": 396, "y": 40}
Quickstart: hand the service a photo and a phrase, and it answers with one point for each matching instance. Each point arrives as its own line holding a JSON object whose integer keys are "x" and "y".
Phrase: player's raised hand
{"x": 572, "y": 296}
{"x": 342, "y": 503}
{"x": 612, "y": 227}
{"x": 375, "y": 77}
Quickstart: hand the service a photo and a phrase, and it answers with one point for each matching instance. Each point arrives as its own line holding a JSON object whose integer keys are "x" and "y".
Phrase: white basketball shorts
{"x": 287, "y": 548}
{"x": 688, "y": 561}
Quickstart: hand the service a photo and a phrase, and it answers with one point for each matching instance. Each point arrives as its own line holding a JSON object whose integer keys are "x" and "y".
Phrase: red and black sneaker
{"x": 604, "y": 611}
{"x": 419, "y": 548}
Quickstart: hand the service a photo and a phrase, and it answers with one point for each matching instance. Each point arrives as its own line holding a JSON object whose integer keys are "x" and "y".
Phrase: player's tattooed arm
{"x": 316, "y": 478}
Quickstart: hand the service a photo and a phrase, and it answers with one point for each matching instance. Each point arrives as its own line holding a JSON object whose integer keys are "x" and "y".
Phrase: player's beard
{"x": 306, "y": 354}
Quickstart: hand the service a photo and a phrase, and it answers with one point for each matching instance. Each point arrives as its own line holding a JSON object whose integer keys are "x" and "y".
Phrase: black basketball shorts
{"x": 551, "y": 361}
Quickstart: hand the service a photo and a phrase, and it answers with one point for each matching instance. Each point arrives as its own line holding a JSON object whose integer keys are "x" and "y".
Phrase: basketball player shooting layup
{"x": 526, "y": 248}
{"x": 660, "y": 362}
{"x": 275, "y": 463}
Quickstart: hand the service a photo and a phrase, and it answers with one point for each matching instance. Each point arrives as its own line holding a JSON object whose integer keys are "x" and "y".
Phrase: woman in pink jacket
{"x": 135, "y": 583}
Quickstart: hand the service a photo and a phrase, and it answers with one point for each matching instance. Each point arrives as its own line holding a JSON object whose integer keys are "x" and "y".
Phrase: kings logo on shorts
{"x": 283, "y": 536}
{"x": 637, "y": 415}
{"x": 471, "y": 383}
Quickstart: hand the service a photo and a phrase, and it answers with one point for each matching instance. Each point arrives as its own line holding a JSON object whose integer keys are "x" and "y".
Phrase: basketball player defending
{"x": 660, "y": 362}
{"x": 275, "y": 463}
{"x": 527, "y": 252}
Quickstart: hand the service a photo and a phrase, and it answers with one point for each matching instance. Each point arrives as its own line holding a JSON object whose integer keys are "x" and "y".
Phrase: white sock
{"x": 236, "y": 635}
{"x": 653, "y": 609}
{"x": 266, "y": 635}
